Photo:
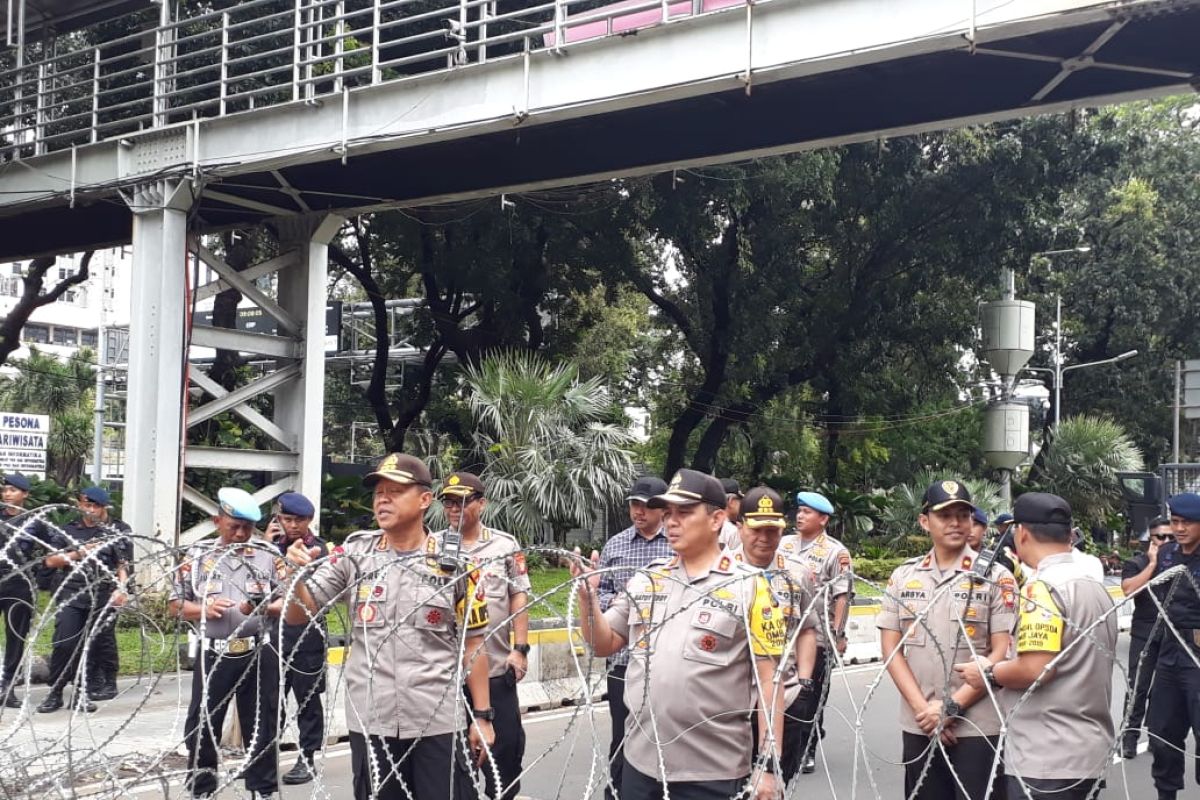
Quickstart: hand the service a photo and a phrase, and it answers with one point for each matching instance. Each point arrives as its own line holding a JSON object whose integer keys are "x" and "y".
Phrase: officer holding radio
{"x": 225, "y": 587}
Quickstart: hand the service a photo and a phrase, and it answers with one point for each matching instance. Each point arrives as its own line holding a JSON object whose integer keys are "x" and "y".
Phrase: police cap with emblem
{"x": 646, "y": 487}
{"x": 17, "y": 481}
{"x": 763, "y": 507}
{"x": 461, "y": 484}
{"x": 296, "y": 505}
{"x": 238, "y": 503}
{"x": 816, "y": 501}
{"x": 400, "y": 468}
{"x": 943, "y": 494}
{"x": 1186, "y": 505}
{"x": 689, "y": 486}
{"x": 1040, "y": 508}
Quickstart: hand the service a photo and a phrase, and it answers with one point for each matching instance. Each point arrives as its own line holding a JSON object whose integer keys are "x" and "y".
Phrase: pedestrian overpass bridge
{"x": 296, "y": 111}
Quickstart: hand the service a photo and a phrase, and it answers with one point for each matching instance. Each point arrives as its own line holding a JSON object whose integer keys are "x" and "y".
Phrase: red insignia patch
{"x": 519, "y": 560}
{"x": 966, "y": 562}
{"x": 844, "y": 560}
{"x": 1009, "y": 599}
{"x": 335, "y": 554}
{"x": 433, "y": 616}
{"x": 926, "y": 562}
{"x": 708, "y": 643}
{"x": 366, "y": 613}
{"x": 378, "y": 590}
{"x": 766, "y": 613}
{"x": 723, "y": 564}
{"x": 704, "y": 617}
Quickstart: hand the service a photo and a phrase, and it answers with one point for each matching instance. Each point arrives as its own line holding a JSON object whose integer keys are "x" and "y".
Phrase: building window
{"x": 67, "y": 337}
{"x": 38, "y": 334}
{"x": 88, "y": 338}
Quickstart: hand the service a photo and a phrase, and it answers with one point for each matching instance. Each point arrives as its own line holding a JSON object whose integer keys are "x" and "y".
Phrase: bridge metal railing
{"x": 91, "y": 86}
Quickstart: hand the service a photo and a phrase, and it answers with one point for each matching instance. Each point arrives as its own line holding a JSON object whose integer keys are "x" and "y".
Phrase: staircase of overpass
{"x": 159, "y": 127}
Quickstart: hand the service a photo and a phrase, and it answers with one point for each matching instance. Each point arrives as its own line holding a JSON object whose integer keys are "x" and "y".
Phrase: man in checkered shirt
{"x": 624, "y": 554}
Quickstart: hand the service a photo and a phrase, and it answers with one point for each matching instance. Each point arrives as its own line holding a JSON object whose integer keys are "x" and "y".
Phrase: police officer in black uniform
{"x": 1175, "y": 699}
{"x": 1136, "y": 572}
{"x": 104, "y": 663}
{"x": 303, "y": 654}
{"x": 95, "y": 557}
{"x": 20, "y": 536}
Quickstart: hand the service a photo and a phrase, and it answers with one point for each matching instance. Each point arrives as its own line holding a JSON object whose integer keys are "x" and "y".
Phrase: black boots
{"x": 302, "y": 772}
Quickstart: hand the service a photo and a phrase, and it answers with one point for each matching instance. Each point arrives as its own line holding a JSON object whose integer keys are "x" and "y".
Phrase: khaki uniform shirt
{"x": 211, "y": 571}
{"x": 1064, "y": 728}
{"x": 795, "y": 587}
{"x": 501, "y": 564}
{"x": 944, "y": 629}
{"x": 404, "y": 671}
{"x": 829, "y": 561}
{"x": 690, "y": 685}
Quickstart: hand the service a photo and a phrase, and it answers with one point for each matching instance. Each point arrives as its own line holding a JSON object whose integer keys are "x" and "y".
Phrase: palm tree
{"x": 63, "y": 390}
{"x": 549, "y": 459}
{"x": 1080, "y": 464}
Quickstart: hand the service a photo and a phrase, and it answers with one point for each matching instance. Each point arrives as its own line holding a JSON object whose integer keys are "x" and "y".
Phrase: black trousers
{"x": 16, "y": 604}
{"x": 619, "y": 713}
{"x": 387, "y": 768}
{"x": 970, "y": 760}
{"x": 508, "y": 752}
{"x": 304, "y": 678}
{"x": 812, "y": 727}
{"x": 1141, "y": 675}
{"x": 252, "y": 681}
{"x": 1052, "y": 789}
{"x": 104, "y": 662}
{"x": 636, "y": 786}
{"x": 1174, "y": 710}
{"x": 74, "y": 630}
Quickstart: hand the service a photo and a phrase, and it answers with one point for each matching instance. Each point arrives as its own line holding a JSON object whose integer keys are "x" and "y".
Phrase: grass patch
{"x": 865, "y": 589}
{"x": 554, "y": 582}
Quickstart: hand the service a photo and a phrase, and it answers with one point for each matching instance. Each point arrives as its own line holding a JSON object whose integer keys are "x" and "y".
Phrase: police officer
{"x": 303, "y": 651}
{"x": 404, "y": 673}
{"x": 226, "y": 586}
{"x": 829, "y": 561}
{"x": 706, "y": 633}
{"x": 1175, "y": 698}
{"x": 761, "y": 528}
{"x": 1061, "y": 730}
{"x": 20, "y": 537}
{"x": 733, "y": 512}
{"x": 626, "y": 552}
{"x": 936, "y": 613}
{"x": 501, "y": 564}
{"x": 94, "y": 506}
{"x": 978, "y": 533}
{"x": 94, "y": 556}
{"x": 1136, "y": 572}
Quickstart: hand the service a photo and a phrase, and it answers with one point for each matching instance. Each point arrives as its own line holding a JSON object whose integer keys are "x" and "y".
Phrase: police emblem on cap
{"x": 678, "y": 479}
{"x": 766, "y": 505}
{"x": 454, "y": 480}
{"x": 950, "y": 488}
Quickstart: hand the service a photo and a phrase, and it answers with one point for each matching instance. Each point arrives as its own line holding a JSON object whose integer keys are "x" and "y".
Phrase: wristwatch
{"x": 951, "y": 708}
{"x": 806, "y": 686}
{"x": 523, "y": 649}
{"x": 989, "y": 675}
{"x": 488, "y": 714}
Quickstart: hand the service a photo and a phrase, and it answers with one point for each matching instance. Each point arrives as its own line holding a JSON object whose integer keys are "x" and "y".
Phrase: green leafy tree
{"x": 904, "y": 504}
{"x": 62, "y": 390}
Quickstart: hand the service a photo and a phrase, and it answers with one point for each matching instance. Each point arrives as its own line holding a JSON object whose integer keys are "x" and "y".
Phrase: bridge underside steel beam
{"x": 778, "y": 77}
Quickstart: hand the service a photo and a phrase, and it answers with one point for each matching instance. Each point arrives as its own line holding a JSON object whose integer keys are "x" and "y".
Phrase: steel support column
{"x": 156, "y": 357}
{"x": 300, "y": 407}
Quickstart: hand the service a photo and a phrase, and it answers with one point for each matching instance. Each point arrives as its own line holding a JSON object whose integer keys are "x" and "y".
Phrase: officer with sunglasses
{"x": 1136, "y": 572}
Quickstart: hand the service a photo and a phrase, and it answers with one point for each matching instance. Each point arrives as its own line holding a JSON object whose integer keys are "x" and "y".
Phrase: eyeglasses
{"x": 1161, "y": 537}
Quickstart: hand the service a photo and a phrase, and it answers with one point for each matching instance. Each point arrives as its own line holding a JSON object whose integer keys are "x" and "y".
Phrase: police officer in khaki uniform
{"x": 762, "y": 526}
{"x": 705, "y": 633}
{"x": 501, "y": 564}
{"x": 936, "y": 612}
{"x": 1060, "y": 731}
{"x": 225, "y": 587}
{"x": 829, "y": 561}
{"x": 404, "y": 673}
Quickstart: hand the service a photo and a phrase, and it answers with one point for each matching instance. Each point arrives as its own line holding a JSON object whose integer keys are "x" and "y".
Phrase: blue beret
{"x": 1002, "y": 519}
{"x": 18, "y": 481}
{"x": 97, "y": 495}
{"x": 815, "y": 501}
{"x": 238, "y": 504}
{"x": 1186, "y": 505}
{"x": 979, "y": 516}
{"x": 296, "y": 504}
